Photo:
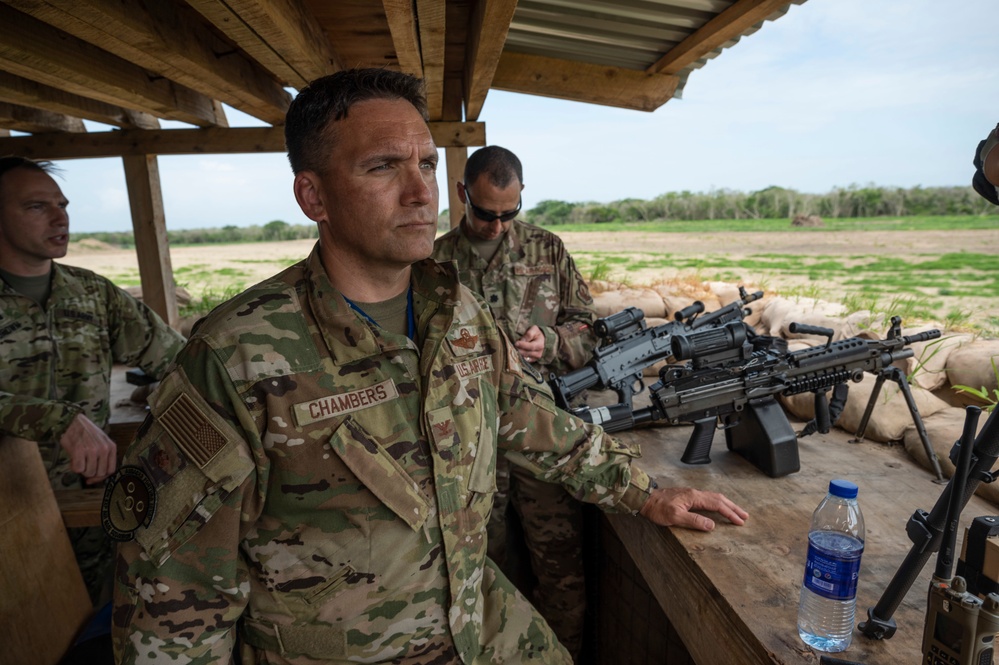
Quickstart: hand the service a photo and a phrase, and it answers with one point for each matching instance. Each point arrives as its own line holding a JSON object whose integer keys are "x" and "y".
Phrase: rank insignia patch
{"x": 129, "y": 503}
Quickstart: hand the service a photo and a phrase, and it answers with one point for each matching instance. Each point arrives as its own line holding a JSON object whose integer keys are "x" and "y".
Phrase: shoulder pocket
{"x": 195, "y": 462}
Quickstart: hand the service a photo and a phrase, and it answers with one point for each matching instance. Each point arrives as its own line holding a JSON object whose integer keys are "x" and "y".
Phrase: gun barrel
{"x": 921, "y": 337}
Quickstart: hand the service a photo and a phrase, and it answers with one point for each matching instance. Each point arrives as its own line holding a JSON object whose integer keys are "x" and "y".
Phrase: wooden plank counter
{"x": 732, "y": 594}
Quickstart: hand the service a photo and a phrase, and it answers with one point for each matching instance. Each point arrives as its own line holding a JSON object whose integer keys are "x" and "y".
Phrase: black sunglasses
{"x": 487, "y": 216}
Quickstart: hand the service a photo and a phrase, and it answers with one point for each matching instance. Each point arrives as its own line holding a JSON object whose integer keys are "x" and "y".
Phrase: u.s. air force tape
{"x": 129, "y": 502}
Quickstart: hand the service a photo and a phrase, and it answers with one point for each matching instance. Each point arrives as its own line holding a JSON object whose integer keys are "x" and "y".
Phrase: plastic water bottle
{"x": 829, "y": 589}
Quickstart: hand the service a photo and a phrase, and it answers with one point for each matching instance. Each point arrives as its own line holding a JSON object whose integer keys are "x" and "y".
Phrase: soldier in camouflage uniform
{"x": 322, "y": 459}
{"x": 61, "y": 330}
{"x": 539, "y": 299}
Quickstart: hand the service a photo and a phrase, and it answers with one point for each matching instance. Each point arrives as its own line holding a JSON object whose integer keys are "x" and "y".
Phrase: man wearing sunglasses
{"x": 541, "y": 302}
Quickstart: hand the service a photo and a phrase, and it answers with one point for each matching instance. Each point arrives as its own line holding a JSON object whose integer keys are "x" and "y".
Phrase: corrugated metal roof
{"x": 633, "y": 34}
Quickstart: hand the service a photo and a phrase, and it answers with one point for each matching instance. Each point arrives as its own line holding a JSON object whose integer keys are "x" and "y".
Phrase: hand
{"x": 532, "y": 344}
{"x": 92, "y": 453}
{"x": 672, "y": 506}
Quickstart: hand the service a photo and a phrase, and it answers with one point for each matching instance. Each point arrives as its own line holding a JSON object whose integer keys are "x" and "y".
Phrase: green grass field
{"x": 956, "y": 222}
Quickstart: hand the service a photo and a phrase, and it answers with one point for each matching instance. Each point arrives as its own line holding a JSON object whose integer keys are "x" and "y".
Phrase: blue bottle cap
{"x": 844, "y": 489}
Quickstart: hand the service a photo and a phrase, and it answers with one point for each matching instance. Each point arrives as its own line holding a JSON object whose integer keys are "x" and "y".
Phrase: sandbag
{"x": 972, "y": 365}
{"x": 928, "y": 365}
{"x": 779, "y": 313}
{"x": 943, "y": 428}
{"x": 647, "y": 300}
{"x": 724, "y": 292}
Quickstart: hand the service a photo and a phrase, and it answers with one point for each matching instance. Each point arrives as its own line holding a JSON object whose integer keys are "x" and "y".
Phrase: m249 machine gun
{"x": 728, "y": 380}
{"x": 628, "y": 346}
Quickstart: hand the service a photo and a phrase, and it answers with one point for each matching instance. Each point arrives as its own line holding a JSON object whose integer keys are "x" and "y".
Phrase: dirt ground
{"x": 249, "y": 263}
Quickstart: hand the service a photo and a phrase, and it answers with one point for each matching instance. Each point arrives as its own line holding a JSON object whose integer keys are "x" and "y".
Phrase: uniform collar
{"x": 348, "y": 336}
{"x": 511, "y": 245}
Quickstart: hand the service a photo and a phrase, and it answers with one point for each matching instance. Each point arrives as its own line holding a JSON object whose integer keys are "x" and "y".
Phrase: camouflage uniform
{"x": 324, "y": 485}
{"x": 57, "y": 364}
{"x": 532, "y": 280}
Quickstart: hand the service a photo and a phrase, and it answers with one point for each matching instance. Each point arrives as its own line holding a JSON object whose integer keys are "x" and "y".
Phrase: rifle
{"x": 628, "y": 346}
{"x": 729, "y": 379}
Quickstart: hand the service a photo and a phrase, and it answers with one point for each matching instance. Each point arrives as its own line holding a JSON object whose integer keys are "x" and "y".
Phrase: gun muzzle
{"x": 921, "y": 337}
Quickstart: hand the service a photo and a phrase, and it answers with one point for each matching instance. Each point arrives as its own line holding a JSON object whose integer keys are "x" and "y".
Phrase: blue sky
{"x": 890, "y": 92}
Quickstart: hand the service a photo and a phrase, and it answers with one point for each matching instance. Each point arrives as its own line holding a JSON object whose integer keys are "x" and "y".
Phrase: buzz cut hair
{"x": 309, "y": 123}
{"x": 499, "y": 164}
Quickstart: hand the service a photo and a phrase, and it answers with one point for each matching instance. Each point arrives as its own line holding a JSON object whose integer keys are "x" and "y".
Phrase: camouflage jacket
{"x": 57, "y": 361}
{"x": 531, "y": 280}
{"x": 324, "y": 486}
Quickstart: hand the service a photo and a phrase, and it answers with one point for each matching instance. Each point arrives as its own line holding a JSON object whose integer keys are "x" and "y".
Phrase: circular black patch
{"x": 129, "y": 503}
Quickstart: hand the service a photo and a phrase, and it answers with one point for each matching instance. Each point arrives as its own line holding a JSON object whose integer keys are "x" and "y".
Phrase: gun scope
{"x": 609, "y": 326}
{"x": 696, "y": 344}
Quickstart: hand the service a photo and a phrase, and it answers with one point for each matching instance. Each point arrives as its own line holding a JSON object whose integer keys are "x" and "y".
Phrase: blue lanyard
{"x": 410, "y": 316}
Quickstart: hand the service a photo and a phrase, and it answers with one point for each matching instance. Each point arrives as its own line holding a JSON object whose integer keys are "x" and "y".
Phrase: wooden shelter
{"x": 128, "y": 65}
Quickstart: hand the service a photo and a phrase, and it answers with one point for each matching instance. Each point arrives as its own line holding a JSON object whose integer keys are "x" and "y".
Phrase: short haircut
{"x": 501, "y": 165}
{"x": 308, "y": 123}
{"x": 10, "y": 162}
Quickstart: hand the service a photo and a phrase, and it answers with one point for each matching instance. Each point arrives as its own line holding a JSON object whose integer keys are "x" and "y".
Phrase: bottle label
{"x": 833, "y": 564}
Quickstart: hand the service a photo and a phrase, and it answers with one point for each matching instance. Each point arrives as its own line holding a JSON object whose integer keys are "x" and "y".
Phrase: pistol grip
{"x": 699, "y": 445}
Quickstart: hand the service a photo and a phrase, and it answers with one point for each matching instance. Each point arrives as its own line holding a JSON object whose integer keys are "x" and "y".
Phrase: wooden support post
{"x": 455, "y": 158}
{"x": 145, "y": 197}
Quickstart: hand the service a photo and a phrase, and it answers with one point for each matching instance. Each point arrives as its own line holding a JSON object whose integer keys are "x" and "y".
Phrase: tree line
{"x": 227, "y": 235}
{"x": 769, "y": 203}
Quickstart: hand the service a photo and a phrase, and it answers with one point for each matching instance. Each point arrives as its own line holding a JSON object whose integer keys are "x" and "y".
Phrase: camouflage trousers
{"x": 552, "y": 522}
{"x": 95, "y": 557}
{"x": 93, "y": 549}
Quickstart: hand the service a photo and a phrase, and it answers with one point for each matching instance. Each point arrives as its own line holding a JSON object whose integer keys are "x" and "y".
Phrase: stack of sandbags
{"x": 612, "y": 301}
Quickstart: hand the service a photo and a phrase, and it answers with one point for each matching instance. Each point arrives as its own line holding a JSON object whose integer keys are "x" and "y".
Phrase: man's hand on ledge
{"x": 672, "y": 506}
{"x": 92, "y": 453}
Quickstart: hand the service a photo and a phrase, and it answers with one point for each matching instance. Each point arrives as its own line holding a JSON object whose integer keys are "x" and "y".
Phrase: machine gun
{"x": 726, "y": 378}
{"x": 628, "y": 346}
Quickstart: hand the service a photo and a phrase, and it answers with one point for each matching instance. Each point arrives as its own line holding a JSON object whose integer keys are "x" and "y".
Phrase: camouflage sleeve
{"x": 34, "y": 418}
{"x": 558, "y": 447}
{"x": 139, "y": 337}
{"x": 181, "y": 584}
{"x": 569, "y": 344}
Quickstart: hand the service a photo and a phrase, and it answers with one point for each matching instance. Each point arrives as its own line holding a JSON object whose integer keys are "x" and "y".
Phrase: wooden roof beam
{"x": 37, "y": 51}
{"x": 724, "y": 27}
{"x": 431, "y": 16}
{"x": 402, "y": 25}
{"x": 37, "y": 121}
{"x": 488, "y": 27}
{"x": 583, "y": 82}
{"x": 279, "y": 34}
{"x": 213, "y": 140}
{"x": 18, "y": 90}
{"x": 158, "y": 37}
